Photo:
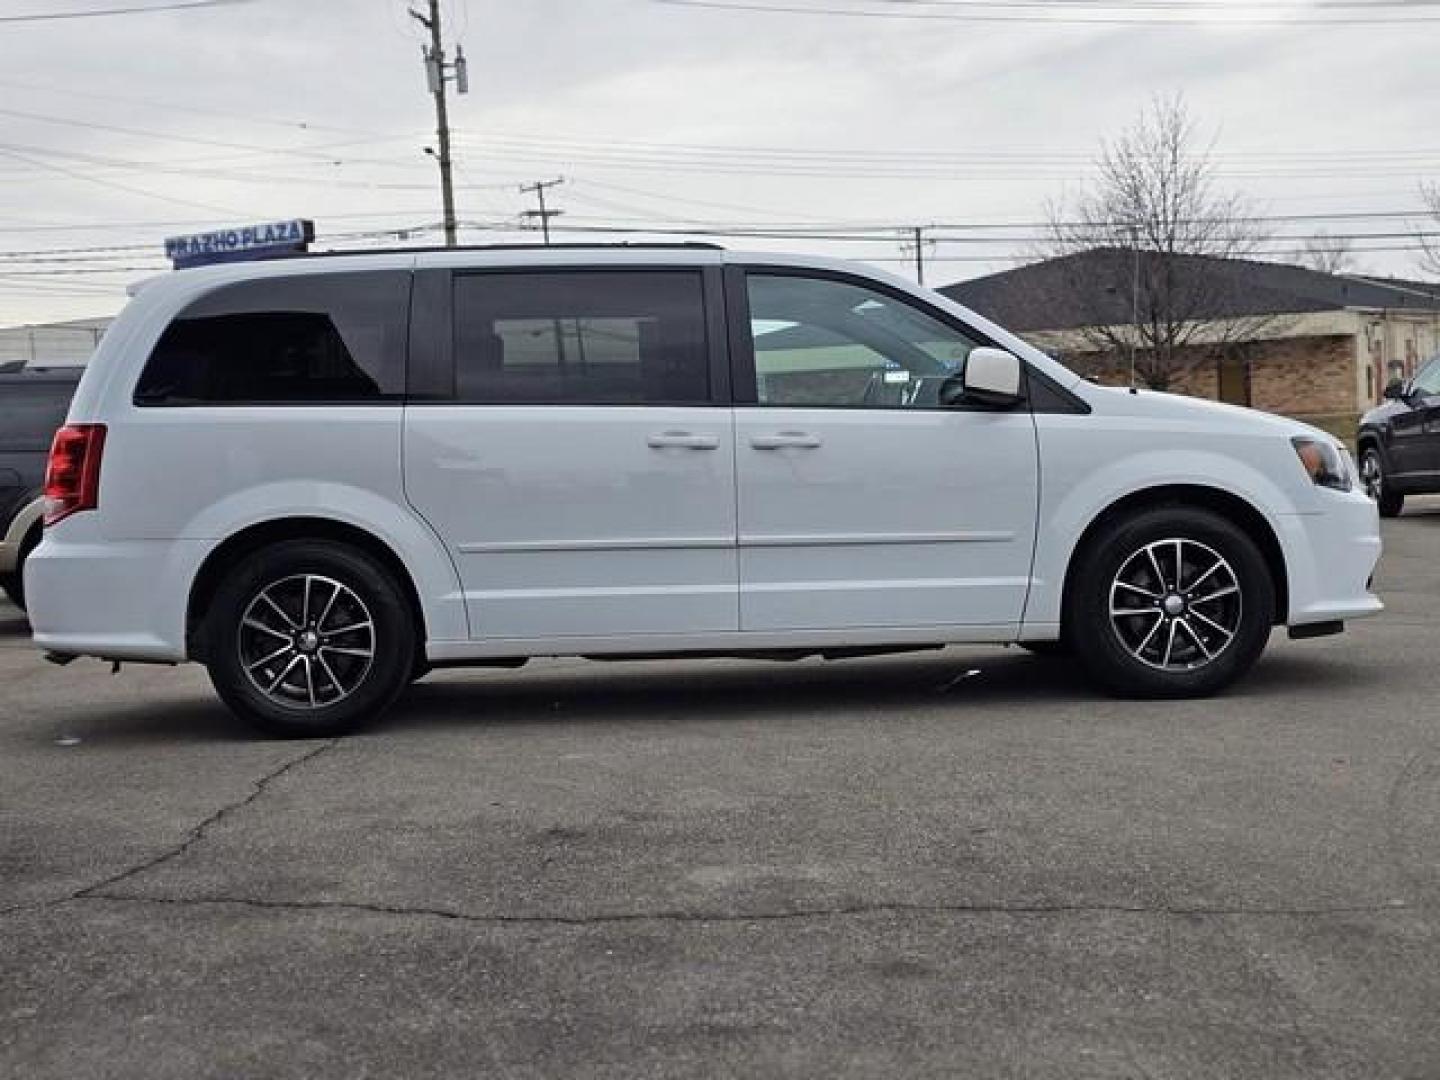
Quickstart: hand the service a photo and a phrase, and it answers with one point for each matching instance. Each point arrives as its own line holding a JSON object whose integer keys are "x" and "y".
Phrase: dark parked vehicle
{"x": 1399, "y": 442}
{"x": 33, "y": 403}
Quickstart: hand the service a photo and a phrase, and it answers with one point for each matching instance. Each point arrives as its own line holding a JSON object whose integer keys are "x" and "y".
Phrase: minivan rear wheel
{"x": 1168, "y": 603}
{"x": 309, "y": 639}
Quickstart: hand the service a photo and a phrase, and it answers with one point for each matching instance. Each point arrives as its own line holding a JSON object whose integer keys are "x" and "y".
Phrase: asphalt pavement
{"x": 962, "y": 863}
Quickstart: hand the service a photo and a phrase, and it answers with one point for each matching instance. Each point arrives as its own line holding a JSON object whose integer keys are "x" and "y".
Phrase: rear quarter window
{"x": 304, "y": 340}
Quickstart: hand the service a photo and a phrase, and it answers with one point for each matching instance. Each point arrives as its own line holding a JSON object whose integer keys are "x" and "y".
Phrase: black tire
{"x": 330, "y": 688}
{"x": 1050, "y": 650}
{"x": 1177, "y": 665}
{"x": 10, "y": 585}
{"x": 14, "y": 583}
{"x": 1373, "y": 475}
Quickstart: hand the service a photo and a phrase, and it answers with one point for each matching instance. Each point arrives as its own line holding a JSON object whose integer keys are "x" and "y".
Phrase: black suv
{"x": 33, "y": 403}
{"x": 1399, "y": 442}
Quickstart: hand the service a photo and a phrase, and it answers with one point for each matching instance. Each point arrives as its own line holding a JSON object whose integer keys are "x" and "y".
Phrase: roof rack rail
{"x": 612, "y": 245}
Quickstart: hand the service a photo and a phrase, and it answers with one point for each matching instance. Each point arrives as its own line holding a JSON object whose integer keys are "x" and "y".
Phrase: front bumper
{"x": 1331, "y": 557}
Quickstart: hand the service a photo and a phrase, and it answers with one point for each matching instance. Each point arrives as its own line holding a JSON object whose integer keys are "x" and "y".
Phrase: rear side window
{"x": 30, "y": 412}
{"x": 588, "y": 337}
{"x": 311, "y": 339}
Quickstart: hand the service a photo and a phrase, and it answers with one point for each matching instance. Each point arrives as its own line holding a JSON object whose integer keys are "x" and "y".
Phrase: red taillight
{"x": 72, "y": 479}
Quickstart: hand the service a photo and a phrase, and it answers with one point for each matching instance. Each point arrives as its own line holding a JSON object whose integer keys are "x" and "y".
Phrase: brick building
{"x": 1318, "y": 347}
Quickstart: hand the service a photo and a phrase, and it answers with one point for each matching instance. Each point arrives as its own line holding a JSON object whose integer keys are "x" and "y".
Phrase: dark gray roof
{"x": 1094, "y": 288}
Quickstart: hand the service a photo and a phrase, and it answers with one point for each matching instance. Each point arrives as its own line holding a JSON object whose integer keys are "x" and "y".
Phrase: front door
{"x": 581, "y": 472}
{"x": 862, "y": 501}
{"x": 1426, "y": 394}
{"x": 1415, "y": 431}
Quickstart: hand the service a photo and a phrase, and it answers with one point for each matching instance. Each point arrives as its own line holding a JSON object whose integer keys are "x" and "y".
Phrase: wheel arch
{"x": 1368, "y": 437}
{"x": 26, "y": 526}
{"x": 1232, "y": 507}
{"x": 230, "y": 552}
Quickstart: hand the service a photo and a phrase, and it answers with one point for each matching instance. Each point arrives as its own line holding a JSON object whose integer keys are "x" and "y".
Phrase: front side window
{"x": 821, "y": 342}
{"x": 309, "y": 339}
{"x": 1428, "y": 381}
{"x": 585, "y": 337}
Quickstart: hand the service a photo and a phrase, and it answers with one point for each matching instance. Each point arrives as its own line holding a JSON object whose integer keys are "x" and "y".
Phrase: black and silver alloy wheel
{"x": 306, "y": 641}
{"x": 310, "y": 638}
{"x": 1372, "y": 475}
{"x": 1173, "y": 601}
{"x": 1175, "y": 604}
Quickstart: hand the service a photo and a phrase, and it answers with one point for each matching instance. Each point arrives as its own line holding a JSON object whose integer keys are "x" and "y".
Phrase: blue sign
{"x": 236, "y": 245}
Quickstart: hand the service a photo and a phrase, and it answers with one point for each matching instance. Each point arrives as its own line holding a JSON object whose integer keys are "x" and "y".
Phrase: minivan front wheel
{"x": 306, "y": 639}
{"x": 1171, "y": 602}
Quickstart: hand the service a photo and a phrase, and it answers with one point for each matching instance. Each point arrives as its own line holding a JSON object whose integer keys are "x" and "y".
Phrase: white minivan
{"x": 322, "y": 476}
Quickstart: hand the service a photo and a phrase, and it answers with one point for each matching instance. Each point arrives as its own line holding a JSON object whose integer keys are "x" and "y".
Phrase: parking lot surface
{"x": 960, "y": 863}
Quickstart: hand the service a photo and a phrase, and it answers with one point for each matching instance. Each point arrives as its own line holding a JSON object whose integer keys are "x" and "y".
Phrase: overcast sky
{"x": 116, "y": 132}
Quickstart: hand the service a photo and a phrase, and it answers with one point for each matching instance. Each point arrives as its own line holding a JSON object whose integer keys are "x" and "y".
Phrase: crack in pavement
{"x": 102, "y": 891}
{"x": 197, "y": 833}
{"x": 837, "y": 911}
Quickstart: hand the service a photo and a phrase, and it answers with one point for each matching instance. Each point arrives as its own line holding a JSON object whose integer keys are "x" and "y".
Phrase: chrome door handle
{"x": 684, "y": 439}
{"x": 802, "y": 439}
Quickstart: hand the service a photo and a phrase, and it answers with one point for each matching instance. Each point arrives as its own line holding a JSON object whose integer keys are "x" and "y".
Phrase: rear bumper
{"x": 74, "y": 590}
{"x": 1331, "y": 558}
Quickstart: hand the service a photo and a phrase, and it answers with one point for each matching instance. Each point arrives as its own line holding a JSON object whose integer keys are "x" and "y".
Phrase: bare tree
{"x": 1329, "y": 254}
{"x": 1429, "y": 250}
{"x": 1152, "y": 226}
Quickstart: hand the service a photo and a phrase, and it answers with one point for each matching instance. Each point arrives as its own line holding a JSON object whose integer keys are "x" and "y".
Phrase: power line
{"x": 973, "y": 233}
{"x": 163, "y": 136}
{"x": 266, "y": 177}
{"x": 881, "y": 164}
{"x": 997, "y": 14}
{"x": 172, "y": 106}
{"x": 1299, "y": 6}
{"x": 112, "y": 184}
{"x": 97, "y": 13}
{"x": 883, "y": 155}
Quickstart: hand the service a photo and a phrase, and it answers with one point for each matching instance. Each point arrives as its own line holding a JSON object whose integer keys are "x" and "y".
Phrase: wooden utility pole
{"x": 916, "y": 241}
{"x": 437, "y": 73}
{"x": 543, "y": 215}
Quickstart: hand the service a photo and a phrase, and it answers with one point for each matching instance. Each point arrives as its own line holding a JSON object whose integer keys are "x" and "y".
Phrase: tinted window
{"x": 822, "y": 342}
{"x": 592, "y": 337}
{"x": 304, "y": 339}
{"x": 30, "y": 412}
{"x": 1428, "y": 381}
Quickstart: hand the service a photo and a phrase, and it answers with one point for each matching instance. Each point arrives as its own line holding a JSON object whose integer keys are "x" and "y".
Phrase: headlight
{"x": 1324, "y": 461}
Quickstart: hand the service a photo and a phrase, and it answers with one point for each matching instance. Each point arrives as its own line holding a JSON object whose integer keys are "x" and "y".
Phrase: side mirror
{"x": 992, "y": 377}
{"x": 1395, "y": 390}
